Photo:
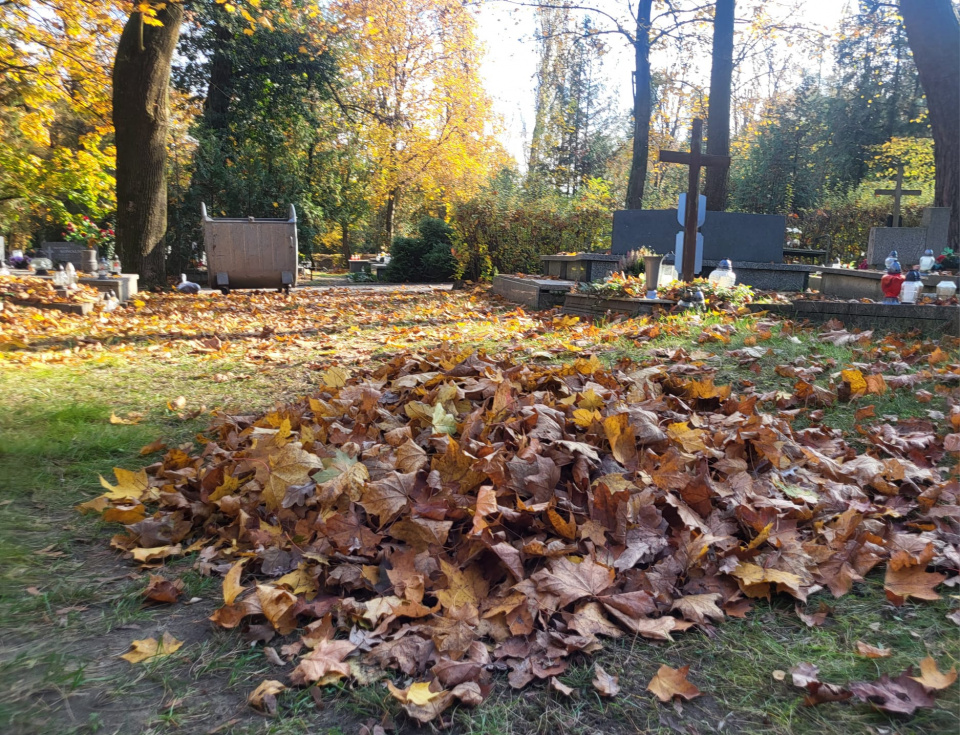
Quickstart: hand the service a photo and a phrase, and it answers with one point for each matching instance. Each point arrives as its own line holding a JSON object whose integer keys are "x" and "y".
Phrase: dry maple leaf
{"x": 264, "y": 697}
{"x": 668, "y": 683}
{"x": 150, "y": 648}
{"x": 570, "y": 581}
{"x": 606, "y": 684}
{"x": 291, "y": 465}
{"x": 231, "y": 583}
{"x": 163, "y": 590}
{"x": 421, "y": 701}
{"x": 698, "y": 608}
{"x": 930, "y": 675}
{"x": 902, "y": 695}
{"x": 622, "y": 438}
{"x": 868, "y": 651}
{"x": 326, "y": 660}
{"x": 911, "y": 582}
{"x": 130, "y": 485}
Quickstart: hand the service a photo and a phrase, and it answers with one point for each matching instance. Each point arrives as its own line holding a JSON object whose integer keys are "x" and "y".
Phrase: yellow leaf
{"x": 567, "y": 529}
{"x": 231, "y": 582}
{"x": 149, "y": 648}
{"x": 130, "y": 485}
{"x": 227, "y": 487}
{"x": 144, "y": 555}
{"x": 858, "y": 385}
{"x": 584, "y": 418}
{"x": 590, "y": 400}
{"x": 334, "y": 377}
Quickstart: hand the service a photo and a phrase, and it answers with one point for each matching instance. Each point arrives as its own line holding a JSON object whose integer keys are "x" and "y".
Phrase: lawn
{"x": 80, "y": 396}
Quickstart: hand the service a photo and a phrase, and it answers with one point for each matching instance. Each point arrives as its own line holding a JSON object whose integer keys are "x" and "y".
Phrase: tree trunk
{"x": 933, "y": 33}
{"x": 345, "y": 240}
{"x": 217, "y": 103}
{"x": 389, "y": 215}
{"x": 641, "y": 107}
{"x": 141, "y": 74}
{"x": 718, "y": 115}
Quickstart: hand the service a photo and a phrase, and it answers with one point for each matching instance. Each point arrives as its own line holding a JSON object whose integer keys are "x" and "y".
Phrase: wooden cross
{"x": 696, "y": 160}
{"x": 896, "y": 193}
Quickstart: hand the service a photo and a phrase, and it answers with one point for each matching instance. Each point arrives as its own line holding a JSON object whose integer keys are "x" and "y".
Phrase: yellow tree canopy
{"x": 414, "y": 72}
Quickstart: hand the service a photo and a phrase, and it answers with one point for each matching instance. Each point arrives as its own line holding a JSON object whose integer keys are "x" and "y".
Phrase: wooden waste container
{"x": 249, "y": 252}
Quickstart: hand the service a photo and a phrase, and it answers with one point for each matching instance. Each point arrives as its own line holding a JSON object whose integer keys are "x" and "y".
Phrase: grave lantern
{"x": 927, "y": 261}
{"x": 723, "y": 275}
{"x": 912, "y": 287}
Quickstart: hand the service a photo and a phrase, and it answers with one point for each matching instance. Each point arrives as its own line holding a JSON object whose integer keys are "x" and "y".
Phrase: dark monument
{"x": 754, "y": 242}
{"x": 695, "y": 159}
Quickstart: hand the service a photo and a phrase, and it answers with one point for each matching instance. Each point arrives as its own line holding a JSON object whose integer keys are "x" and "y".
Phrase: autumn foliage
{"x": 450, "y": 513}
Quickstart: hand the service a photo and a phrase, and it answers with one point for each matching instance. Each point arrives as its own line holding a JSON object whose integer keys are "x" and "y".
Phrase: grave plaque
{"x": 70, "y": 252}
{"x": 747, "y": 238}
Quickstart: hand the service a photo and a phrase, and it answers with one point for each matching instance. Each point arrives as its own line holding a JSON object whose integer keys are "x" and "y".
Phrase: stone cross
{"x": 896, "y": 193}
{"x": 696, "y": 160}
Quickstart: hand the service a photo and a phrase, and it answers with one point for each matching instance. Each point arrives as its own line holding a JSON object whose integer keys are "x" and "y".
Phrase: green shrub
{"x": 426, "y": 258}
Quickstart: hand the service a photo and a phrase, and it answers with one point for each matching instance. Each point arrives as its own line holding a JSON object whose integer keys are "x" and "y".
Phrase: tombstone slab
{"x": 584, "y": 267}
{"x": 846, "y": 283}
{"x": 84, "y": 259}
{"x": 754, "y": 238}
{"x": 909, "y": 242}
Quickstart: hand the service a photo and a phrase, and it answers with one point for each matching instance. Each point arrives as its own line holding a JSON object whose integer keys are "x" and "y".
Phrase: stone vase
{"x": 651, "y": 273}
{"x": 88, "y": 261}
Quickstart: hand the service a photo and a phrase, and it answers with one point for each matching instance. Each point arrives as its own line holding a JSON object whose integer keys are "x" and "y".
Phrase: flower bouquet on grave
{"x": 93, "y": 236}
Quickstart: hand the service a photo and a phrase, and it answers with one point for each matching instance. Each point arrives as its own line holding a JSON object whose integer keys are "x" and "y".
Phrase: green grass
{"x": 68, "y": 604}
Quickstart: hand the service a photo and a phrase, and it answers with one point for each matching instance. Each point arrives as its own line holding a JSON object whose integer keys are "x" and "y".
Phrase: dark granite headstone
{"x": 70, "y": 252}
{"x": 754, "y": 238}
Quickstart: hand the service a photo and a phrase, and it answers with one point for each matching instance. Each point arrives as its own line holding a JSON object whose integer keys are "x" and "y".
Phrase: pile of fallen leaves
{"x": 449, "y": 515}
{"x": 36, "y": 290}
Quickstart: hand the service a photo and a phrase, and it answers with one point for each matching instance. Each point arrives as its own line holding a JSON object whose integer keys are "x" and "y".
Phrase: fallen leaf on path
{"x": 150, "y": 648}
{"x": 264, "y": 697}
{"x": 668, "y": 683}
{"x": 606, "y": 684}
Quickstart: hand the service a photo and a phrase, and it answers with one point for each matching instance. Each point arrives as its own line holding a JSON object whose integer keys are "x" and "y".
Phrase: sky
{"x": 509, "y": 66}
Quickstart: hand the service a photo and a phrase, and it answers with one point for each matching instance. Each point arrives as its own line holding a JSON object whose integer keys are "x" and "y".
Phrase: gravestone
{"x": 71, "y": 252}
{"x": 753, "y": 238}
{"x": 910, "y": 242}
{"x": 897, "y": 192}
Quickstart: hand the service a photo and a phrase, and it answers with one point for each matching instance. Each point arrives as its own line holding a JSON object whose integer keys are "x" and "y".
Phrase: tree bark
{"x": 933, "y": 33}
{"x": 217, "y": 104}
{"x": 642, "y": 105}
{"x": 389, "y": 216}
{"x": 718, "y": 114}
{"x": 141, "y": 75}
{"x": 345, "y": 240}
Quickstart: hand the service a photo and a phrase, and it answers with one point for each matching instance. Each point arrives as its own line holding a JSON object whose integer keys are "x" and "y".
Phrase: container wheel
{"x": 225, "y": 290}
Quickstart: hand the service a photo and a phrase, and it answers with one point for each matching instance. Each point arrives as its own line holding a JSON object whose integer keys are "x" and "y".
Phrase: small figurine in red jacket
{"x": 891, "y": 284}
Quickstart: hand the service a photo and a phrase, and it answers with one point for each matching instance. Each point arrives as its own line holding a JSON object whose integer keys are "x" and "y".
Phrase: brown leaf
{"x": 622, "y": 438}
{"x": 669, "y": 683}
{"x": 163, "y": 590}
{"x": 571, "y": 581}
{"x": 326, "y": 660}
{"x": 868, "y": 651}
{"x": 559, "y": 686}
{"x": 902, "y": 695}
{"x": 698, "y": 608}
{"x": 264, "y": 697}
{"x": 911, "y": 582}
{"x": 606, "y": 684}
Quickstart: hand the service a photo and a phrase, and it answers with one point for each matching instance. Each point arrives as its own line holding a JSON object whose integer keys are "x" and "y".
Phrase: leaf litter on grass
{"x": 448, "y": 514}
